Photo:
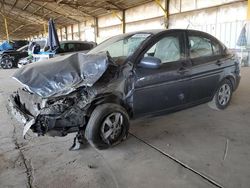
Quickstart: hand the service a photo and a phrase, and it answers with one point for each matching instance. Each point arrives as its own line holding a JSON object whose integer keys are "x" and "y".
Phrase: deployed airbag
{"x": 62, "y": 75}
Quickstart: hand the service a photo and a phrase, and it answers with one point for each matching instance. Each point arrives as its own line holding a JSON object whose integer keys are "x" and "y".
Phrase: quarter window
{"x": 167, "y": 49}
{"x": 202, "y": 47}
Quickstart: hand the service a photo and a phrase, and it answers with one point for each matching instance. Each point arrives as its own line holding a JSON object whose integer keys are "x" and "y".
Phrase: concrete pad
{"x": 194, "y": 136}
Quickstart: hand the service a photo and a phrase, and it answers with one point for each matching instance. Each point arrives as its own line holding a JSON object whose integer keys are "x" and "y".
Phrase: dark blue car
{"x": 127, "y": 76}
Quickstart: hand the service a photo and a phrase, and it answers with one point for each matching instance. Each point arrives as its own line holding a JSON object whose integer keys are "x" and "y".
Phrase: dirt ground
{"x": 198, "y": 147}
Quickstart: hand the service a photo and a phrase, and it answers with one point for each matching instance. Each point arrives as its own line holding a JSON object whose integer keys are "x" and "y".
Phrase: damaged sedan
{"x": 125, "y": 77}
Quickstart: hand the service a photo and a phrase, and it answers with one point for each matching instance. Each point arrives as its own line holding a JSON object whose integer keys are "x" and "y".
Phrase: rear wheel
{"x": 6, "y": 63}
{"x": 222, "y": 96}
{"x": 107, "y": 126}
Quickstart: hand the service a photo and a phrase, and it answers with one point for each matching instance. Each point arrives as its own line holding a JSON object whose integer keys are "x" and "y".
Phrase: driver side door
{"x": 167, "y": 87}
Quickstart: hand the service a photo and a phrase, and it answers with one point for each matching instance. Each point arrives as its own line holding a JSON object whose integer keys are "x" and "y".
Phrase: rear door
{"x": 167, "y": 87}
{"x": 205, "y": 55}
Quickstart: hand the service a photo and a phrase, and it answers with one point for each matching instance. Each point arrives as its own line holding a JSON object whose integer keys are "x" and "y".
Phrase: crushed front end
{"x": 56, "y": 93}
{"x": 56, "y": 116}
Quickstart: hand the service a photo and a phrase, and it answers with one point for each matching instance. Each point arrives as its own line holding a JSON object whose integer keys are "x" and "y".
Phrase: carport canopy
{"x": 30, "y": 17}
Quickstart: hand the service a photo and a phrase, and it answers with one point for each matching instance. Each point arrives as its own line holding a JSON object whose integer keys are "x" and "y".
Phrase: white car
{"x": 66, "y": 47}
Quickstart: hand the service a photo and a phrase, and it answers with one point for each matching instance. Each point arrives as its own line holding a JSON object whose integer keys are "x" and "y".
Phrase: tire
{"x": 99, "y": 126}
{"x": 223, "y": 96}
{"x": 6, "y": 63}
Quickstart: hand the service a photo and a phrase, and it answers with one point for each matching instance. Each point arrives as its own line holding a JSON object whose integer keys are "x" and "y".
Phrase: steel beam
{"x": 248, "y": 9}
{"x": 123, "y": 21}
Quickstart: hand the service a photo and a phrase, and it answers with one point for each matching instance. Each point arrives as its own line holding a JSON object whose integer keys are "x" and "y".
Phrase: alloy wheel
{"x": 111, "y": 127}
{"x": 224, "y": 94}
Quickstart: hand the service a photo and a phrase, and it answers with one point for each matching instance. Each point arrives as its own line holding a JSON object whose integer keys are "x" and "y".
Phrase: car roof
{"x": 75, "y": 41}
{"x": 156, "y": 31}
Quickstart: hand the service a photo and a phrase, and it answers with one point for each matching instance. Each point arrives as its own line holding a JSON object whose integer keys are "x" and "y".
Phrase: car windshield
{"x": 122, "y": 45}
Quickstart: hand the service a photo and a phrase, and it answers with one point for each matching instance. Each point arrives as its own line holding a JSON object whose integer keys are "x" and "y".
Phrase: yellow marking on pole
{"x": 117, "y": 15}
{"x": 45, "y": 30}
{"x": 158, "y": 2}
{"x": 6, "y": 28}
{"x": 248, "y": 10}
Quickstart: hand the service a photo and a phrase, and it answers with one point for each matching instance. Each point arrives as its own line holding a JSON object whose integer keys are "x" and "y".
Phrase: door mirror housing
{"x": 150, "y": 63}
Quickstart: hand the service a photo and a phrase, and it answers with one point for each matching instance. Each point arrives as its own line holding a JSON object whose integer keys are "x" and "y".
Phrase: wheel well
{"x": 110, "y": 98}
{"x": 6, "y": 55}
{"x": 232, "y": 80}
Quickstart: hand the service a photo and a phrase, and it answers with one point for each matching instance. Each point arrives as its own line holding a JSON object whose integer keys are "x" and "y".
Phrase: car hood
{"x": 62, "y": 75}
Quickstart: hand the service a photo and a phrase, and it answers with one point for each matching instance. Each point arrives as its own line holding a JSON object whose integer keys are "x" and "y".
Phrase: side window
{"x": 85, "y": 47}
{"x": 61, "y": 49}
{"x": 71, "y": 47}
{"x": 166, "y": 49}
{"x": 77, "y": 47}
{"x": 202, "y": 47}
{"x": 216, "y": 49}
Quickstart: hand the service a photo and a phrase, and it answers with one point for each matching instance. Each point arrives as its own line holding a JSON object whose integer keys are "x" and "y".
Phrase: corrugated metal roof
{"x": 27, "y": 17}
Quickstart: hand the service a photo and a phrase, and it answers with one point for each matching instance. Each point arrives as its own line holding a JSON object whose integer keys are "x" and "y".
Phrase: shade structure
{"x": 242, "y": 40}
{"x": 53, "y": 41}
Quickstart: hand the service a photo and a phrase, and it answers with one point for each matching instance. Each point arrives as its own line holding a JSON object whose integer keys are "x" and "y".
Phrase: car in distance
{"x": 66, "y": 47}
{"x": 97, "y": 94}
{"x": 74, "y": 46}
{"x": 10, "y": 58}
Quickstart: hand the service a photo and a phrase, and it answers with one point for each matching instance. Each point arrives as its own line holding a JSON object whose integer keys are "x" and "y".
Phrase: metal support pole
{"x": 167, "y": 4}
{"x": 97, "y": 28}
{"x": 123, "y": 21}
{"x": 66, "y": 33}
{"x": 248, "y": 10}
{"x": 165, "y": 10}
{"x": 61, "y": 34}
{"x": 79, "y": 31}
{"x": 6, "y": 28}
{"x": 45, "y": 29}
{"x": 158, "y": 2}
{"x": 72, "y": 32}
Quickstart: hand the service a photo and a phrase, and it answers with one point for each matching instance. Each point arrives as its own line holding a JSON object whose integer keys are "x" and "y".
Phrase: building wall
{"x": 142, "y": 17}
{"x": 224, "y": 22}
{"x": 222, "y": 18}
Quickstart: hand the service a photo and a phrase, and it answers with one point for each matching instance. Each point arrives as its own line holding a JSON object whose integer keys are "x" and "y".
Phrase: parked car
{"x": 19, "y": 44}
{"x": 74, "y": 46}
{"x": 13, "y": 45}
{"x": 66, "y": 47}
{"x": 41, "y": 42}
{"x": 127, "y": 76}
{"x": 10, "y": 58}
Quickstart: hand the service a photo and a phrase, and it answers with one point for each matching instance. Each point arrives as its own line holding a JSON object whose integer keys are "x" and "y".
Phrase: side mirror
{"x": 150, "y": 63}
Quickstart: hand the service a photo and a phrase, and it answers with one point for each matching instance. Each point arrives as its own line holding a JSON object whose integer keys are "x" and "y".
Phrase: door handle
{"x": 182, "y": 70}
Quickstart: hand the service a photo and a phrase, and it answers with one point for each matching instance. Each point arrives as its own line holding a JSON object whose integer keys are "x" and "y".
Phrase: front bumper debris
{"x": 20, "y": 115}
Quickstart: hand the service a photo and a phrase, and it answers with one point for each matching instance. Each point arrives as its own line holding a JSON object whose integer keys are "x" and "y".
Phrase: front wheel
{"x": 222, "y": 96}
{"x": 107, "y": 126}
